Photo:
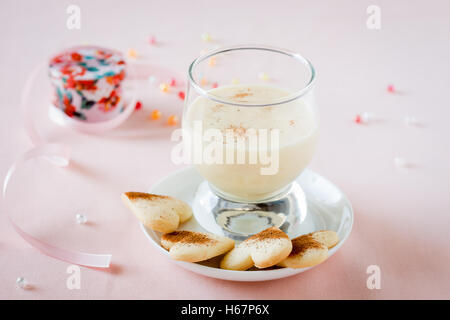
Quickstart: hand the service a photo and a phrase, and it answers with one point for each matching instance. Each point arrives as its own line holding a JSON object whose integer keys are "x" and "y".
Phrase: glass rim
{"x": 295, "y": 95}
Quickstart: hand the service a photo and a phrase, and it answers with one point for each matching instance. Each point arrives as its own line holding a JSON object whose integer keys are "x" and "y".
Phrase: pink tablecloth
{"x": 402, "y": 217}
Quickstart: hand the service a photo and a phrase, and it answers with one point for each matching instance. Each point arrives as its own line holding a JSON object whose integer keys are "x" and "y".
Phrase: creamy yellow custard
{"x": 289, "y": 131}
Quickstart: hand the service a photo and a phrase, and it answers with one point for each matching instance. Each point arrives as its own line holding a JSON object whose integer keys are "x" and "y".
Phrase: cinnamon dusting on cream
{"x": 237, "y": 130}
{"x": 242, "y": 95}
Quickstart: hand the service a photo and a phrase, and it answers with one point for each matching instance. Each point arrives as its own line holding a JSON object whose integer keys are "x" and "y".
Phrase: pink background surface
{"x": 402, "y": 217}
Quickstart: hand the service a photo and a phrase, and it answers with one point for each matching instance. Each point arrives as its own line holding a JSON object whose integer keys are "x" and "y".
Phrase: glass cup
{"x": 250, "y": 128}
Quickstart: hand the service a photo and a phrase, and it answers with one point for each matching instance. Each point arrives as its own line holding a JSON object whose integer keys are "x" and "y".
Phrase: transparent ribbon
{"x": 59, "y": 155}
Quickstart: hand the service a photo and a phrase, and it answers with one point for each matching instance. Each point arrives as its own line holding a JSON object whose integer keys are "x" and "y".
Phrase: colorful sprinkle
{"x": 181, "y": 95}
{"x": 212, "y": 61}
{"x": 391, "y": 88}
{"x": 173, "y": 82}
{"x": 164, "y": 87}
{"x": 138, "y": 106}
{"x": 215, "y": 85}
{"x": 203, "y": 82}
{"x": 152, "y": 40}
{"x": 264, "y": 76}
{"x": 132, "y": 53}
{"x": 206, "y": 37}
{"x": 155, "y": 115}
{"x": 235, "y": 81}
{"x": 172, "y": 120}
{"x": 357, "y": 119}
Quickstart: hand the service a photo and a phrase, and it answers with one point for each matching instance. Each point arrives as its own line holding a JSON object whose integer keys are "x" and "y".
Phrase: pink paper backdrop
{"x": 402, "y": 217}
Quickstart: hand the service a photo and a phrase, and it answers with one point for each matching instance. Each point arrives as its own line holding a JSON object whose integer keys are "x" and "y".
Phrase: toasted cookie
{"x": 195, "y": 246}
{"x": 159, "y": 213}
{"x": 306, "y": 252}
{"x": 326, "y": 237}
{"x": 263, "y": 250}
{"x": 240, "y": 258}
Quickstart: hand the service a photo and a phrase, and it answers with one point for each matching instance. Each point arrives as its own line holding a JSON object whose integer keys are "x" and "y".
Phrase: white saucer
{"x": 328, "y": 208}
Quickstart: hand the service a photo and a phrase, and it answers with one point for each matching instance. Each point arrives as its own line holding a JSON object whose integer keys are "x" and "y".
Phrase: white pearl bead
{"x": 400, "y": 162}
{"x": 22, "y": 283}
{"x": 410, "y": 121}
{"x": 81, "y": 218}
{"x": 152, "y": 79}
{"x": 367, "y": 117}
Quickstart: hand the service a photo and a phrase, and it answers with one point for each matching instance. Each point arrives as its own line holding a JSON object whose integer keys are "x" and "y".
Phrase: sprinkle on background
{"x": 172, "y": 120}
{"x": 206, "y": 37}
{"x": 138, "y": 105}
{"x": 164, "y": 87}
{"x": 263, "y": 76}
{"x": 131, "y": 53}
{"x": 212, "y": 61}
{"x": 155, "y": 115}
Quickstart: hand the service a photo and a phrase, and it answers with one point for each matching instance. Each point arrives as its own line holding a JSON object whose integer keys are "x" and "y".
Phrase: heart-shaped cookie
{"x": 310, "y": 249}
{"x": 263, "y": 250}
{"x": 159, "y": 213}
{"x": 193, "y": 246}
